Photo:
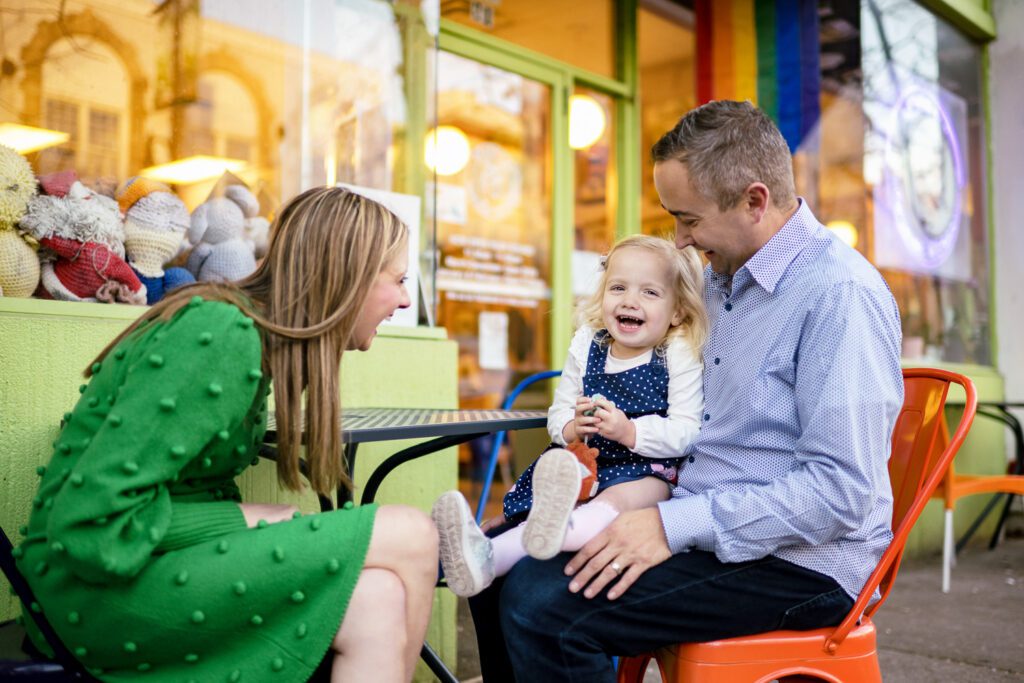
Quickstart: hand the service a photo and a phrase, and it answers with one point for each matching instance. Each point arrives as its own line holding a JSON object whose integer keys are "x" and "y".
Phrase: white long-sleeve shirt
{"x": 656, "y": 436}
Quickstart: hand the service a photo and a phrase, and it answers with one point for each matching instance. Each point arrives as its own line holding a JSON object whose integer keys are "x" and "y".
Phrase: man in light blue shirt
{"x": 783, "y": 506}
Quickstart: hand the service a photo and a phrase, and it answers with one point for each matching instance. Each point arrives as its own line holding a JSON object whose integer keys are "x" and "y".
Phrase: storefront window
{"x": 592, "y": 138}
{"x": 281, "y": 99}
{"x": 491, "y": 156}
{"x": 665, "y": 46}
{"x": 562, "y": 29}
{"x": 924, "y": 166}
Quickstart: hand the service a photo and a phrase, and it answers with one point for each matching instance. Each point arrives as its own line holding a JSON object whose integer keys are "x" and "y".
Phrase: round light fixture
{"x": 845, "y": 231}
{"x": 446, "y": 150}
{"x": 586, "y": 121}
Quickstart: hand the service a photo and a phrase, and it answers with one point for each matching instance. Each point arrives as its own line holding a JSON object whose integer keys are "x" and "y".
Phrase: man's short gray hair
{"x": 726, "y": 146}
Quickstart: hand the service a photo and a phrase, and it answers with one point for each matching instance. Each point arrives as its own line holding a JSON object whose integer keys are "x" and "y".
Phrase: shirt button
{"x": 692, "y": 458}
{"x": 728, "y": 307}
{"x": 717, "y": 361}
{"x": 706, "y": 417}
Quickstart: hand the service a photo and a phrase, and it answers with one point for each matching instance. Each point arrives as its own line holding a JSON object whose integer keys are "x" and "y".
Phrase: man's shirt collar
{"x": 768, "y": 264}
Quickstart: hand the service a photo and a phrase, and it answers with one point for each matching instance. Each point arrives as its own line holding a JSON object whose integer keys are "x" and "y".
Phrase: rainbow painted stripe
{"x": 765, "y": 51}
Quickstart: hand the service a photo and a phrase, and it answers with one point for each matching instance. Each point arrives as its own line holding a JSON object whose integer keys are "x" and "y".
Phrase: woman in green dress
{"x": 139, "y": 549}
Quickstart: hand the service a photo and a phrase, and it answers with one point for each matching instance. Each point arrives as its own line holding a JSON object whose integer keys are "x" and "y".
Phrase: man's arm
{"x": 848, "y": 389}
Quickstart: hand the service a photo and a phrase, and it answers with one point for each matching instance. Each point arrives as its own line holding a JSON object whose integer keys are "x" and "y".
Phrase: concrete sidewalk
{"x": 973, "y": 634}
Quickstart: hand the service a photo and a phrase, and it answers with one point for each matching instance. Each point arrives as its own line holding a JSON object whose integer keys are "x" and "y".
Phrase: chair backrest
{"x": 492, "y": 461}
{"x": 21, "y": 588}
{"x": 919, "y": 459}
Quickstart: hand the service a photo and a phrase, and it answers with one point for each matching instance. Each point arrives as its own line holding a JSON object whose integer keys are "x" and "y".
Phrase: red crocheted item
{"x": 90, "y": 270}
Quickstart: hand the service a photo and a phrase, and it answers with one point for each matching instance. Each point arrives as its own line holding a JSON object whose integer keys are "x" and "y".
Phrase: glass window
{"x": 281, "y": 99}
{"x": 491, "y": 156}
{"x": 665, "y": 47}
{"x": 557, "y": 28}
{"x": 592, "y": 138}
{"x": 924, "y": 167}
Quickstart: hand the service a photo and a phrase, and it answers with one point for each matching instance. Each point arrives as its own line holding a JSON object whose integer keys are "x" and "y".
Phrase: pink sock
{"x": 587, "y": 521}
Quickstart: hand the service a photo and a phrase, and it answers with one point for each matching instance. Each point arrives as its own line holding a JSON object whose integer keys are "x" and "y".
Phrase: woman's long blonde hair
{"x": 686, "y": 273}
{"x": 327, "y": 246}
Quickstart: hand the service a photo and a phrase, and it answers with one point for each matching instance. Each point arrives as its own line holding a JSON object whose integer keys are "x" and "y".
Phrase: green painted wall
{"x": 46, "y": 344}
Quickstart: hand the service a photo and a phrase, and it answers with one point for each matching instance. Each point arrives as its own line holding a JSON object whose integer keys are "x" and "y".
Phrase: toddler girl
{"x": 631, "y": 387}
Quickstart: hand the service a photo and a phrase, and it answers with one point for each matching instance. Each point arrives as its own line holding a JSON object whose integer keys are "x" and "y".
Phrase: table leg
{"x": 407, "y": 454}
{"x": 344, "y": 494}
{"x": 431, "y": 659}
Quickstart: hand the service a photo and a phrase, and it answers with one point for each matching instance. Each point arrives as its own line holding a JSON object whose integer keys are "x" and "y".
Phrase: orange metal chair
{"x": 919, "y": 459}
{"x": 955, "y": 486}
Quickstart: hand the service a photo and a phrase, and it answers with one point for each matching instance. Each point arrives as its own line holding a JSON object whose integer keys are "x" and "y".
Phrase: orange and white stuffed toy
{"x": 587, "y": 457}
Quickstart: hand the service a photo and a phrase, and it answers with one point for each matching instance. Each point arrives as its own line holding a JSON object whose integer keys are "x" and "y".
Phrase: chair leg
{"x": 947, "y": 551}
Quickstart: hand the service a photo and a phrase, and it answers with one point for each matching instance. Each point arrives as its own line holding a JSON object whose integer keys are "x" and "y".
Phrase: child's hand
{"x": 583, "y": 424}
{"x": 493, "y": 522}
{"x": 613, "y": 424}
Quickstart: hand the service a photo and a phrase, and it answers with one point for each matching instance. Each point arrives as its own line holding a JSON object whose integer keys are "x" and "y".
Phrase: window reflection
{"x": 923, "y": 164}
{"x": 493, "y": 213}
{"x": 665, "y": 46}
{"x": 281, "y": 99}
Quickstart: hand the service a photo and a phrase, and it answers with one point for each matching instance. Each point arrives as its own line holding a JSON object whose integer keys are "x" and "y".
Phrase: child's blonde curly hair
{"x": 686, "y": 282}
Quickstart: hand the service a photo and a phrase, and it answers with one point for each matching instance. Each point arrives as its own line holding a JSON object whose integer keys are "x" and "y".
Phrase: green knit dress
{"x": 136, "y": 547}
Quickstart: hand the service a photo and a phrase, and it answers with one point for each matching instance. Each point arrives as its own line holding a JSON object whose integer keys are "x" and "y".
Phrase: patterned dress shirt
{"x": 802, "y": 386}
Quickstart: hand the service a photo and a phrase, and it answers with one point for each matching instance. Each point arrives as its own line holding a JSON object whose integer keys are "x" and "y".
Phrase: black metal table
{"x": 444, "y": 428}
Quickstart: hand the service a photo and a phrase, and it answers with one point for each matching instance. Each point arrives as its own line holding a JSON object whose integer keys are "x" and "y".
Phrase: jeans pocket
{"x": 827, "y": 609}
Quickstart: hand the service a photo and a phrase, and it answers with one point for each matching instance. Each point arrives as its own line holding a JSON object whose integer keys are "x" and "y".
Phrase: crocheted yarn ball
{"x": 155, "y": 221}
{"x": 17, "y": 185}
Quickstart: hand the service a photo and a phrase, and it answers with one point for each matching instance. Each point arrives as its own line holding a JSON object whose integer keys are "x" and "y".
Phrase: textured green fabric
{"x": 136, "y": 548}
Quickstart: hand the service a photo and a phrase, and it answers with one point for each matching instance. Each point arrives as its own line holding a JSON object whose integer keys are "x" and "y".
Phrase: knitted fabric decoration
{"x": 217, "y": 231}
{"x": 82, "y": 239}
{"x": 155, "y": 221}
{"x": 19, "y": 265}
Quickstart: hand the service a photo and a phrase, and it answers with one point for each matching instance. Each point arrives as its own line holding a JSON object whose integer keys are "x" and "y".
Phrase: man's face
{"x": 726, "y": 238}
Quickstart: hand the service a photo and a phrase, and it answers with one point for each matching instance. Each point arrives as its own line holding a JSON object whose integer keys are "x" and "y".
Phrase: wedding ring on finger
{"x": 616, "y": 567}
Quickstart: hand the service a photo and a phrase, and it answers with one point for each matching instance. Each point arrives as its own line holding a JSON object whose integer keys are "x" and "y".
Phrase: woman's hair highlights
{"x": 686, "y": 278}
{"x": 327, "y": 246}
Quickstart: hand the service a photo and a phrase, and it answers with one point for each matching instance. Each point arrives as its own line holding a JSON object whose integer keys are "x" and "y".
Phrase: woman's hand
{"x": 613, "y": 424}
{"x": 254, "y": 512}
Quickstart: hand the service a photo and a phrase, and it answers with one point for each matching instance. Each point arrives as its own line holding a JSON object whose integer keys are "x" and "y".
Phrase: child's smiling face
{"x": 638, "y": 304}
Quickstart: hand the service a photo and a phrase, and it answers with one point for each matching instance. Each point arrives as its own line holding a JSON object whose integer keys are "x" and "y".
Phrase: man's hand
{"x": 630, "y": 545}
{"x": 613, "y": 424}
{"x": 254, "y": 512}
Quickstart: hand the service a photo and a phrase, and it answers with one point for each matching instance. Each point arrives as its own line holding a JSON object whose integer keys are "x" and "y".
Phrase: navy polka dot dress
{"x": 639, "y": 391}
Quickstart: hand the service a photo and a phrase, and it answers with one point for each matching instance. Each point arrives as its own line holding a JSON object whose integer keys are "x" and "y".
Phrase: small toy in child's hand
{"x": 588, "y": 458}
{"x": 591, "y": 411}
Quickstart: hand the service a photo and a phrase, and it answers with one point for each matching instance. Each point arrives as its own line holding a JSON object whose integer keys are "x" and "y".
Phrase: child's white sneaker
{"x": 556, "y": 488}
{"x": 466, "y": 553}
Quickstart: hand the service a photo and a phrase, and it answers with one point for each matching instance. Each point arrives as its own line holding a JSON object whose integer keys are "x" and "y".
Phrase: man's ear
{"x": 757, "y": 198}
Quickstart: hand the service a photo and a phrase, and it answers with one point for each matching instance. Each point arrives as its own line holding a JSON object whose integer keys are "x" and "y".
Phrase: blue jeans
{"x": 531, "y": 628}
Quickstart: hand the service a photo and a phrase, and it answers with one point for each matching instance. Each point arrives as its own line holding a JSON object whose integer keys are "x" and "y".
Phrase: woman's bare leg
{"x": 404, "y": 544}
{"x": 374, "y": 630}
